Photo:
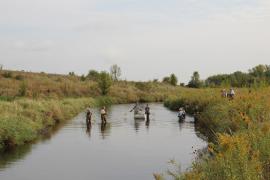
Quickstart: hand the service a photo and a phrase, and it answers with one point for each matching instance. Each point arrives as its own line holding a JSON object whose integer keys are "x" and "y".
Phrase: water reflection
{"x": 147, "y": 124}
{"x": 105, "y": 129}
{"x": 88, "y": 129}
{"x": 137, "y": 124}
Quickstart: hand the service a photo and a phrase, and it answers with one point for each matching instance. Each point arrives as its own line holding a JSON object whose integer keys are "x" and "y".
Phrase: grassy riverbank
{"x": 241, "y": 147}
{"x": 23, "y": 120}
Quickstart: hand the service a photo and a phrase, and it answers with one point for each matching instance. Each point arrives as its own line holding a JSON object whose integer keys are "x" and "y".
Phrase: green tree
{"x": 71, "y": 73}
{"x": 93, "y": 75}
{"x": 115, "y": 72}
{"x": 104, "y": 82}
{"x": 166, "y": 80}
{"x": 259, "y": 71}
{"x": 173, "y": 80}
{"x": 195, "y": 81}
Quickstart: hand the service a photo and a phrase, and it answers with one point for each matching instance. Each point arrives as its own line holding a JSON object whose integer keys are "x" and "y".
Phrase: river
{"x": 125, "y": 149}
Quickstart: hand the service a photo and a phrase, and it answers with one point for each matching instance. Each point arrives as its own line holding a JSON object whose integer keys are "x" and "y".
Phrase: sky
{"x": 147, "y": 38}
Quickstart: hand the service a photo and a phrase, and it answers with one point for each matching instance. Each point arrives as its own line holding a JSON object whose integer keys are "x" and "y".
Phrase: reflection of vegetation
{"x": 13, "y": 155}
{"x": 241, "y": 149}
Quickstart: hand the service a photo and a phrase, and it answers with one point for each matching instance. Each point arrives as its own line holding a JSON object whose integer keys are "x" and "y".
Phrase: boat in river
{"x": 139, "y": 114}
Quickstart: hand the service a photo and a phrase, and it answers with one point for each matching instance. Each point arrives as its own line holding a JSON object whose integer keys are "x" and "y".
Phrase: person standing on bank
{"x": 103, "y": 114}
{"x": 147, "y": 112}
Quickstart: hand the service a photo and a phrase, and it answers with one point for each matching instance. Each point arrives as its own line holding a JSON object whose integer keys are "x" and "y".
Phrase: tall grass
{"x": 241, "y": 147}
{"x": 23, "y": 120}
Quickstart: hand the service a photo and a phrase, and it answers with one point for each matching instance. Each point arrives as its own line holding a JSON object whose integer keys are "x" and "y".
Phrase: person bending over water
{"x": 181, "y": 114}
{"x": 136, "y": 108}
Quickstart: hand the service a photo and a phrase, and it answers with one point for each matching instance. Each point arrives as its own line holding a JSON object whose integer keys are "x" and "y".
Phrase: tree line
{"x": 258, "y": 76}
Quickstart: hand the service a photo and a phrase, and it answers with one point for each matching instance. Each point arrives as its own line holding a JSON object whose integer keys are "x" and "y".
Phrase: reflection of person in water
{"x": 88, "y": 129}
{"x": 103, "y": 129}
{"x": 147, "y": 123}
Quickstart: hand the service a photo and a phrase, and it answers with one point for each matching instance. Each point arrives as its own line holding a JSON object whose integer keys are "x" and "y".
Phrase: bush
{"x": 7, "y": 74}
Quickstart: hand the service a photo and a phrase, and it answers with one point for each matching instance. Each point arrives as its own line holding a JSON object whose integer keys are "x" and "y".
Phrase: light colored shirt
{"x": 102, "y": 111}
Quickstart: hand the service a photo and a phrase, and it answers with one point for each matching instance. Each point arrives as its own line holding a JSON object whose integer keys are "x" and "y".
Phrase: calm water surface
{"x": 125, "y": 149}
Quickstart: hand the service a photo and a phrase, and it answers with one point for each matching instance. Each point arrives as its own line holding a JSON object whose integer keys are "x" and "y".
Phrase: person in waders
{"x": 88, "y": 116}
{"x": 103, "y": 115}
{"x": 147, "y": 112}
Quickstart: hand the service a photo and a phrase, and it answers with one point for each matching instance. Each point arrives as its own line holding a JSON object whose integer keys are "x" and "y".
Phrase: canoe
{"x": 139, "y": 115}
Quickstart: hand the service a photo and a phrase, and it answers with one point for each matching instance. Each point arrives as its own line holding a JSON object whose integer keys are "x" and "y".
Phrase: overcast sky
{"x": 147, "y": 38}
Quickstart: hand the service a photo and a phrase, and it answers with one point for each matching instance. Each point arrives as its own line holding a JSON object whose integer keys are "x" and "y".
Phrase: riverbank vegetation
{"x": 240, "y": 148}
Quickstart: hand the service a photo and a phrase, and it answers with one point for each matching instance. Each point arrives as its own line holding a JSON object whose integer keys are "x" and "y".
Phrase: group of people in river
{"x": 228, "y": 94}
{"x": 137, "y": 109}
{"x": 103, "y": 115}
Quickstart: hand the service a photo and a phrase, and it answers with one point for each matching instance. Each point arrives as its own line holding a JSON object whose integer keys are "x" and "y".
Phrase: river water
{"x": 124, "y": 149}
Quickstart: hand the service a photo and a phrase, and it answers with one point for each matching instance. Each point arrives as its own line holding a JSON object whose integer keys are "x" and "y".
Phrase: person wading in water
{"x": 147, "y": 112}
{"x": 103, "y": 115}
{"x": 88, "y": 116}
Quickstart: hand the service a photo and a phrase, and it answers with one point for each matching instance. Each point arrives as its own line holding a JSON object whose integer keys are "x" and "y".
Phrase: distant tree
{"x": 173, "y": 80}
{"x": 104, "y": 82}
{"x": 71, "y": 73}
{"x": 115, "y": 72}
{"x": 93, "y": 75}
{"x": 155, "y": 80}
{"x": 182, "y": 84}
{"x": 195, "y": 81}
{"x": 1, "y": 67}
{"x": 83, "y": 78}
{"x": 260, "y": 70}
{"x": 166, "y": 80}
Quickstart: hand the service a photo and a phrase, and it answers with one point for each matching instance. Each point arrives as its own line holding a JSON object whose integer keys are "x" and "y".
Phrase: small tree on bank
{"x": 195, "y": 81}
{"x": 104, "y": 82}
{"x": 173, "y": 80}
